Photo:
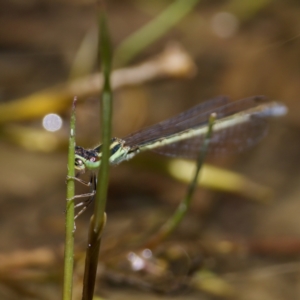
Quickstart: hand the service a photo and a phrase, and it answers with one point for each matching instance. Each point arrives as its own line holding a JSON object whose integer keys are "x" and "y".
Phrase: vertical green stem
{"x": 99, "y": 218}
{"x": 69, "y": 242}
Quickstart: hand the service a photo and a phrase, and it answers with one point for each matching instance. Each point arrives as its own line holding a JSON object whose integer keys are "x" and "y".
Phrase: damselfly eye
{"x": 78, "y": 162}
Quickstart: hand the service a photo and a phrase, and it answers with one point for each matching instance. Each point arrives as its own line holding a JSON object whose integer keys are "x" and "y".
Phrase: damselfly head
{"x": 84, "y": 158}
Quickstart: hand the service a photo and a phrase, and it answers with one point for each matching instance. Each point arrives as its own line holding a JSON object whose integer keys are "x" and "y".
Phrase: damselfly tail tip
{"x": 278, "y": 110}
{"x": 273, "y": 110}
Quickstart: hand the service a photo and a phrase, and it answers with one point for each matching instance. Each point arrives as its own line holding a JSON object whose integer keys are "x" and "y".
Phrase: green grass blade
{"x": 154, "y": 30}
{"x": 98, "y": 220}
{"x": 69, "y": 239}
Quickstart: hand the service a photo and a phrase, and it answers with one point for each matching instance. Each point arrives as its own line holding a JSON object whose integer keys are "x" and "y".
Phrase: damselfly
{"x": 238, "y": 126}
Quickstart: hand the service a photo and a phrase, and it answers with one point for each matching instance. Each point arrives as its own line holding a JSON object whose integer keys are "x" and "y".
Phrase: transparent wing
{"x": 230, "y": 140}
{"x": 199, "y": 113}
{"x": 233, "y": 139}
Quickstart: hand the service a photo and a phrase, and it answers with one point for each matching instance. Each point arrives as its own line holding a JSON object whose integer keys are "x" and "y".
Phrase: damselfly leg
{"x": 92, "y": 183}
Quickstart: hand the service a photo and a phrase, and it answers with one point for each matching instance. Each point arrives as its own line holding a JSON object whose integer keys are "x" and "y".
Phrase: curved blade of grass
{"x": 152, "y": 31}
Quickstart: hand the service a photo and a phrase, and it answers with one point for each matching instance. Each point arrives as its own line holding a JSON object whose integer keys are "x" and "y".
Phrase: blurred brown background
{"x": 240, "y": 48}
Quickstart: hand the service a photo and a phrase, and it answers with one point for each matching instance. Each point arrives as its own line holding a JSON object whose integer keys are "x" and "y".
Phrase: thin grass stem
{"x": 69, "y": 238}
{"x": 174, "y": 221}
{"x": 98, "y": 220}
